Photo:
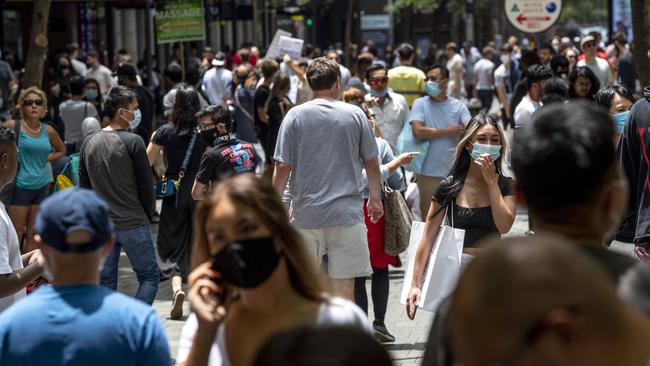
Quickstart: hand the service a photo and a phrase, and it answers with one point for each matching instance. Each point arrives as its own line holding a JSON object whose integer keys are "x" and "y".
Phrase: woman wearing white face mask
{"x": 618, "y": 100}
{"x": 475, "y": 195}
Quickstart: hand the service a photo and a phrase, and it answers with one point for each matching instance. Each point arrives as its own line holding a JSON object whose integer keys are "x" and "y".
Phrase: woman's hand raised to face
{"x": 204, "y": 296}
{"x": 488, "y": 170}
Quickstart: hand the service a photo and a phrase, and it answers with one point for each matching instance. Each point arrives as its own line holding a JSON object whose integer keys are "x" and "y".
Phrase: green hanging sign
{"x": 180, "y": 21}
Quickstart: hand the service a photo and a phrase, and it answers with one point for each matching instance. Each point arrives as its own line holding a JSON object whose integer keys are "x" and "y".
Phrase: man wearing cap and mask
{"x": 227, "y": 155}
{"x": 128, "y": 76}
{"x": 217, "y": 81}
{"x": 113, "y": 162}
{"x": 75, "y": 321}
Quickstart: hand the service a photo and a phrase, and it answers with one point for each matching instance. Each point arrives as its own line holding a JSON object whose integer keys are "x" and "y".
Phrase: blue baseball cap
{"x": 73, "y": 210}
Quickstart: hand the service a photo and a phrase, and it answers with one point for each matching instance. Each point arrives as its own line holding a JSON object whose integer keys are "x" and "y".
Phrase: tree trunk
{"x": 348, "y": 31}
{"x": 37, "y": 44}
{"x": 641, "y": 25}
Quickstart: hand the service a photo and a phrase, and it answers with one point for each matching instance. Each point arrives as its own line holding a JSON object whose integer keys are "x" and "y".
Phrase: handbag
{"x": 167, "y": 187}
{"x": 406, "y": 142}
{"x": 397, "y": 224}
{"x": 62, "y": 181}
{"x": 443, "y": 266}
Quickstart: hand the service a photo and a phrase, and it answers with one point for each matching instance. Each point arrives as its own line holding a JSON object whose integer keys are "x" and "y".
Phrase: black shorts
{"x": 28, "y": 197}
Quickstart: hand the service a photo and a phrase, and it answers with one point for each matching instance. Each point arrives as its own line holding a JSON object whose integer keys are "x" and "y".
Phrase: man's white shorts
{"x": 346, "y": 248}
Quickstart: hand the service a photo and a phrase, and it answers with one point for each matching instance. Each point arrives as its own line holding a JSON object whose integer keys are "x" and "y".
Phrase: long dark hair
{"x": 186, "y": 106}
{"x": 453, "y": 183}
{"x": 586, "y": 72}
{"x": 258, "y": 194}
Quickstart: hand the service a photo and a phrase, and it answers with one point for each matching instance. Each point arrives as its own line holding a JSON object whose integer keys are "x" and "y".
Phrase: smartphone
{"x": 223, "y": 286}
{"x": 409, "y": 313}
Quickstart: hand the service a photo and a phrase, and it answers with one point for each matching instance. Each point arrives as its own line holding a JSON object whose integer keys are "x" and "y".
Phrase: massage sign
{"x": 532, "y": 16}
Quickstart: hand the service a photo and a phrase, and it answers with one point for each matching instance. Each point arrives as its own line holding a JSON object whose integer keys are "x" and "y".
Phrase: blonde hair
{"x": 33, "y": 90}
{"x": 261, "y": 197}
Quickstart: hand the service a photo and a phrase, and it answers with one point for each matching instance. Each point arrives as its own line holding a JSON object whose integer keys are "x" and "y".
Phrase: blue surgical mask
{"x": 137, "y": 118}
{"x": 493, "y": 150}
{"x": 91, "y": 94}
{"x": 432, "y": 88}
{"x": 619, "y": 121}
{"x": 379, "y": 95}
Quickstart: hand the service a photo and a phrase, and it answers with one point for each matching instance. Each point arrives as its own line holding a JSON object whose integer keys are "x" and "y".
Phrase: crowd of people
{"x": 268, "y": 179}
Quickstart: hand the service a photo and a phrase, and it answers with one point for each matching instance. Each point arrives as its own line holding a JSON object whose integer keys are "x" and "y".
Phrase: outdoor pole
{"x": 148, "y": 39}
{"x": 183, "y": 60}
{"x": 233, "y": 19}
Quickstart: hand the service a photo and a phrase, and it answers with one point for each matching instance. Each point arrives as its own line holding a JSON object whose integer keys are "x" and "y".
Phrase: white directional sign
{"x": 532, "y": 16}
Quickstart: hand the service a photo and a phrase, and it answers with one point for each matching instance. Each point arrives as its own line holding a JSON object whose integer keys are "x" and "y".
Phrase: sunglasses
{"x": 588, "y": 45}
{"x": 376, "y": 81}
{"x": 30, "y": 102}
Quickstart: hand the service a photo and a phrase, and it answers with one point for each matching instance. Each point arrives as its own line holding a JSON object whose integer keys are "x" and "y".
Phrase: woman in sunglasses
{"x": 253, "y": 277}
{"x": 38, "y": 144}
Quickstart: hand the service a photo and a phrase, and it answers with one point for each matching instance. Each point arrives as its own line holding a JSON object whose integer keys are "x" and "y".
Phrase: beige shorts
{"x": 346, "y": 248}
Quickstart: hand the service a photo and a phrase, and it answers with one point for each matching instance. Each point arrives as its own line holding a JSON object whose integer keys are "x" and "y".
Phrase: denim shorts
{"x": 28, "y": 197}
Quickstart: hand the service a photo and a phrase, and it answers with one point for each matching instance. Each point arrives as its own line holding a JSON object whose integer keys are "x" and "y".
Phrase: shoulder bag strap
{"x": 248, "y": 115}
{"x": 188, "y": 155}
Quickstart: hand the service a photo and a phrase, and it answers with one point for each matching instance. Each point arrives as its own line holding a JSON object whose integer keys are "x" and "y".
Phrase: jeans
{"x": 138, "y": 245}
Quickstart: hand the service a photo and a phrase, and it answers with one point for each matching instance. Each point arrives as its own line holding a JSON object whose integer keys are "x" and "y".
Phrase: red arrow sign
{"x": 521, "y": 18}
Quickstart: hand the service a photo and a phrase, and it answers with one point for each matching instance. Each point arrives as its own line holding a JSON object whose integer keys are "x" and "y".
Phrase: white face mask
{"x": 505, "y": 59}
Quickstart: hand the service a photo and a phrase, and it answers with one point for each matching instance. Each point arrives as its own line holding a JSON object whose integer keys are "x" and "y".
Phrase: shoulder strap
{"x": 248, "y": 115}
{"x": 188, "y": 155}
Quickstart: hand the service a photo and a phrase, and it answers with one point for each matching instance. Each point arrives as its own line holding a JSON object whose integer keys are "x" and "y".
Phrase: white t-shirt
{"x": 104, "y": 77}
{"x": 524, "y": 111}
{"x": 216, "y": 84}
{"x": 601, "y": 69}
{"x": 10, "y": 260}
{"x": 336, "y": 311}
{"x": 483, "y": 70}
{"x": 455, "y": 67}
{"x": 502, "y": 77}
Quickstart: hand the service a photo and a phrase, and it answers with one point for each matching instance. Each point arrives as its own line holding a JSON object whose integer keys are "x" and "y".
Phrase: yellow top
{"x": 408, "y": 81}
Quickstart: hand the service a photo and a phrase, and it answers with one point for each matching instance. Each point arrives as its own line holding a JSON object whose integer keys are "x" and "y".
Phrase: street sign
{"x": 532, "y": 16}
{"x": 375, "y": 21}
{"x": 180, "y": 21}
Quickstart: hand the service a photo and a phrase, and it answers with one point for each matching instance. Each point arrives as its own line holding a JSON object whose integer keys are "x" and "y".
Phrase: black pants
{"x": 379, "y": 292}
{"x": 486, "y": 96}
{"x": 507, "y": 121}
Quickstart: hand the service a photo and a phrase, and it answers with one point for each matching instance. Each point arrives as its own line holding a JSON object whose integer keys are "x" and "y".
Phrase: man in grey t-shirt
{"x": 325, "y": 144}
{"x": 113, "y": 162}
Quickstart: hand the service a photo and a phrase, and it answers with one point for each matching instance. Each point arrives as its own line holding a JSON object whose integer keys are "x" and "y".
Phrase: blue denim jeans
{"x": 138, "y": 245}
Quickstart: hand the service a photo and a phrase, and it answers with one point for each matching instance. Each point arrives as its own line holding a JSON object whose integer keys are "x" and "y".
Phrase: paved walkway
{"x": 411, "y": 336}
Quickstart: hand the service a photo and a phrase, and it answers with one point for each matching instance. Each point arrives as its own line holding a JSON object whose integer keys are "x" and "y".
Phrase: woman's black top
{"x": 175, "y": 146}
{"x": 477, "y": 222}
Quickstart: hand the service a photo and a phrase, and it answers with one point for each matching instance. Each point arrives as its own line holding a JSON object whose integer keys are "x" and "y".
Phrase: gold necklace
{"x": 35, "y": 132}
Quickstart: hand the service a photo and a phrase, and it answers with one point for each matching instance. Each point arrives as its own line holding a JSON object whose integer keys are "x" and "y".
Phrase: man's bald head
{"x": 521, "y": 297}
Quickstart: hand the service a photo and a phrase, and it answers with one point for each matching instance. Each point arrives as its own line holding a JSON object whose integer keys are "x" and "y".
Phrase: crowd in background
{"x": 325, "y": 139}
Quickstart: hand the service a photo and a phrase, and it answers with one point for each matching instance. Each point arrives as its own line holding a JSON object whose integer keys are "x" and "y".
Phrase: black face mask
{"x": 247, "y": 263}
{"x": 209, "y": 136}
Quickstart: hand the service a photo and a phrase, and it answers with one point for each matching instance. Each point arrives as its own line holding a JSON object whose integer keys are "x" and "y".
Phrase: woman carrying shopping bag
{"x": 476, "y": 197}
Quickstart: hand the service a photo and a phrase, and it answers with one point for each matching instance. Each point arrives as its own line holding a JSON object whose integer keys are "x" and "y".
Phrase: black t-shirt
{"x": 259, "y": 101}
{"x": 229, "y": 156}
{"x": 627, "y": 72}
{"x": 477, "y": 222}
{"x": 147, "y": 106}
{"x": 175, "y": 147}
{"x": 615, "y": 264}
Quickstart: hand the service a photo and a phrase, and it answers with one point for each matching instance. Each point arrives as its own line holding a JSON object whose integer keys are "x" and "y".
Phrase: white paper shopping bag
{"x": 443, "y": 266}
